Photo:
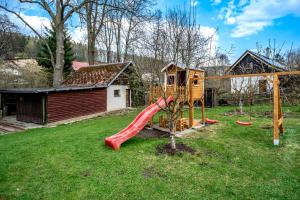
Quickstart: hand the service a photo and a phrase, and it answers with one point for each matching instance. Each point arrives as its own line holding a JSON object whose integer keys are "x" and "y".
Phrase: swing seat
{"x": 211, "y": 121}
{"x": 243, "y": 123}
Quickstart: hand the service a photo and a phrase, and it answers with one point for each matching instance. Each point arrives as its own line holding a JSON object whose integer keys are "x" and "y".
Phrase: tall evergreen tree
{"x": 44, "y": 55}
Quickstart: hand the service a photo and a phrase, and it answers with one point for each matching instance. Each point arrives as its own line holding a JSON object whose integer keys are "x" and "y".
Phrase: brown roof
{"x": 97, "y": 75}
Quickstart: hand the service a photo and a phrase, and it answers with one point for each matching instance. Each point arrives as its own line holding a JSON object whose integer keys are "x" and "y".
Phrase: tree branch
{"x": 29, "y": 26}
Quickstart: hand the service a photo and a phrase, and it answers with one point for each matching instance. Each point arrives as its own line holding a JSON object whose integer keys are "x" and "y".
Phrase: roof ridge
{"x": 104, "y": 65}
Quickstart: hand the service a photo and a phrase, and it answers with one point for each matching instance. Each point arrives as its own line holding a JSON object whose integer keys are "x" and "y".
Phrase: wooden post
{"x": 191, "y": 104}
{"x": 202, "y": 109}
{"x": 275, "y": 108}
{"x": 181, "y": 110}
{"x": 280, "y": 115}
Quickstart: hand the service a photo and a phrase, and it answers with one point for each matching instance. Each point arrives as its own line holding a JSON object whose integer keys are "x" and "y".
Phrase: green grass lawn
{"x": 232, "y": 162}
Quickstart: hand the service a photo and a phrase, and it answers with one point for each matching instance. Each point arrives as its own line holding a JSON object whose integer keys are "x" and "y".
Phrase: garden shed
{"x": 90, "y": 90}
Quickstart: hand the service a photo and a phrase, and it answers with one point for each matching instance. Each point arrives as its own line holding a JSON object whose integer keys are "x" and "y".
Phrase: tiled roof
{"x": 97, "y": 75}
{"x": 270, "y": 61}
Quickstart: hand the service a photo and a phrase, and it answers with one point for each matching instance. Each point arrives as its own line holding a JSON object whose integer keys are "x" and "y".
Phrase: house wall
{"x": 70, "y": 104}
{"x": 116, "y": 103}
{"x": 250, "y": 65}
{"x": 241, "y": 84}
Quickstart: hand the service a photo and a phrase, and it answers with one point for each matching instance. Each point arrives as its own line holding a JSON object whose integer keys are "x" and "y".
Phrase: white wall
{"x": 242, "y": 83}
{"x": 116, "y": 103}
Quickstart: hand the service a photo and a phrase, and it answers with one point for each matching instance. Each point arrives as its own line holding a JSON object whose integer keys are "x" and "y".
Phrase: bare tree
{"x": 93, "y": 16}
{"x": 7, "y": 33}
{"x": 59, "y": 12}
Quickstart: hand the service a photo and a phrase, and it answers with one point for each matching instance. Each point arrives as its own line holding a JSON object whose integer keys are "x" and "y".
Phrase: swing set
{"x": 277, "y": 109}
{"x": 187, "y": 85}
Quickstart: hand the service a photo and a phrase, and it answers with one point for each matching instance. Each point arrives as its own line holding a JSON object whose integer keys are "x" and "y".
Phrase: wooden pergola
{"x": 277, "y": 110}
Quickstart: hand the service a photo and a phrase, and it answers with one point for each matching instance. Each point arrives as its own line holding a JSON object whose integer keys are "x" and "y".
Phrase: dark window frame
{"x": 117, "y": 93}
{"x": 196, "y": 82}
{"x": 169, "y": 80}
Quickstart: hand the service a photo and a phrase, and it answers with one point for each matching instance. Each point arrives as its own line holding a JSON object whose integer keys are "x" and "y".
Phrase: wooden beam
{"x": 275, "y": 108}
{"x": 249, "y": 75}
{"x": 280, "y": 121}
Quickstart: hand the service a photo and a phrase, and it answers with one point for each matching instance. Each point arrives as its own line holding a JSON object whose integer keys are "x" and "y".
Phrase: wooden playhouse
{"x": 184, "y": 85}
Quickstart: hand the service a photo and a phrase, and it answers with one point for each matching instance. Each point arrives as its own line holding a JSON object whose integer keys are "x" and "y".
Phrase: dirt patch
{"x": 230, "y": 113}
{"x": 180, "y": 148}
{"x": 153, "y": 133}
{"x": 267, "y": 126}
{"x": 2, "y": 198}
{"x": 204, "y": 132}
{"x": 267, "y": 114}
{"x": 85, "y": 173}
{"x": 291, "y": 114}
{"x": 151, "y": 172}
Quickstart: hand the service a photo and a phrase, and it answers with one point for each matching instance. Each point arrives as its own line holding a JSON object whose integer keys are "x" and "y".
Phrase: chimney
{"x": 268, "y": 52}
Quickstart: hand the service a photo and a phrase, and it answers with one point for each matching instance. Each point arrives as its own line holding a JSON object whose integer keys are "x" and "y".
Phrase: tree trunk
{"x": 59, "y": 65}
{"x": 91, "y": 50}
{"x": 118, "y": 41}
{"x": 241, "y": 105}
{"x": 90, "y": 32}
{"x": 173, "y": 142}
{"x": 108, "y": 56}
{"x": 127, "y": 40}
{"x": 173, "y": 130}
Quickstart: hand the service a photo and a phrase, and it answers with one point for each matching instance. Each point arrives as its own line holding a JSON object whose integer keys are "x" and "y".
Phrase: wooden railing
{"x": 177, "y": 93}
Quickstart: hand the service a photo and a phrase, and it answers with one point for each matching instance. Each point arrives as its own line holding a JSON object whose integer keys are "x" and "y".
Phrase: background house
{"x": 89, "y": 90}
{"x": 17, "y": 73}
{"x": 253, "y": 63}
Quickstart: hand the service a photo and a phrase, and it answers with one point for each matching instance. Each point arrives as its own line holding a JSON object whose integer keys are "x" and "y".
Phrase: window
{"x": 117, "y": 93}
{"x": 171, "y": 79}
{"x": 196, "y": 81}
{"x": 262, "y": 86}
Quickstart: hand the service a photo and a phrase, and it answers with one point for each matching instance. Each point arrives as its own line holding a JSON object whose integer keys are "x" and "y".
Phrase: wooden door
{"x": 128, "y": 98}
{"x": 31, "y": 108}
{"x": 208, "y": 97}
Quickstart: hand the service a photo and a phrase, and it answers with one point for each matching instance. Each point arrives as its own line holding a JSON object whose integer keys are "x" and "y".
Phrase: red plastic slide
{"x": 137, "y": 125}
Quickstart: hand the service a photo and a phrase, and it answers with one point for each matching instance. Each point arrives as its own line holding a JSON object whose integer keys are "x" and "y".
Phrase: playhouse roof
{"x": 96, "y": 75}
{"x": 179, "y": 66}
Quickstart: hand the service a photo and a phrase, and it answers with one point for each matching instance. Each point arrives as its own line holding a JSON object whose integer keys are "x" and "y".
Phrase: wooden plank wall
{"x": 197, "y": 90}
{"x": 30, "y": 108}
{"x": 67, "y": 105}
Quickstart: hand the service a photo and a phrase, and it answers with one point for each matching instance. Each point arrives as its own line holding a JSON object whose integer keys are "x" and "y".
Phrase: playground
{"x": 185, "y": 86}
{"x": 230, "y": 161}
